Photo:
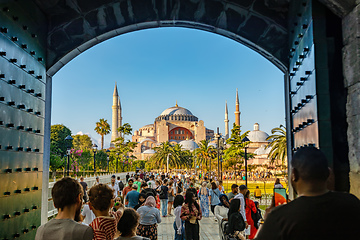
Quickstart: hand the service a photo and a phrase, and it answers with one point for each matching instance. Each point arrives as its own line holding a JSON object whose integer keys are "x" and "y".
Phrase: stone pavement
{"x": 209, "y": 229}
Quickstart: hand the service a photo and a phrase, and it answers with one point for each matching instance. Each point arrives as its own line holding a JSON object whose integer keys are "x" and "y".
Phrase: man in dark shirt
{"x": 127, "y": 177}
{"x": 85, "y": 188}
{"x": 317, "y": 213}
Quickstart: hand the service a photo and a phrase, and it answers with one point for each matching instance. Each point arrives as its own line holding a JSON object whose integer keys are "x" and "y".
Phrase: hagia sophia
{"x": 178, "y": 125}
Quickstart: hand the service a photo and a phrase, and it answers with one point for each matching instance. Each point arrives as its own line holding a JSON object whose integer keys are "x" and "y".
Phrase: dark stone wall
{"x": 74, "y": 22}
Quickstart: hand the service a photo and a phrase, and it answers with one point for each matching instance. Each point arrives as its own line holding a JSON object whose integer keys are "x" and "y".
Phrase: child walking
{"x": 105, "y": 223}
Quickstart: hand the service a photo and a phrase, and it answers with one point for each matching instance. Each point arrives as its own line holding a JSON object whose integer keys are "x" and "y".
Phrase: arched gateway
{"x": 314, "y": 42}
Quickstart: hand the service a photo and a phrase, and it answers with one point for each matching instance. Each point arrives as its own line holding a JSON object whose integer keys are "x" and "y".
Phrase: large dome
{"x": 176, "y": 113}
{"x": 257, "y": 136}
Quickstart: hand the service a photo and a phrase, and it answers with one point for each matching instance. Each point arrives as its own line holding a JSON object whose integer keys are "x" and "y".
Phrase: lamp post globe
{"x": 68, "y": 142}
{"x": 245, "y": 140}
{"x": 94, "y": 146}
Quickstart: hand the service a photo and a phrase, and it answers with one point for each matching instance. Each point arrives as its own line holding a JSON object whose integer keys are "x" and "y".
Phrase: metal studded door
{"x": 317, "y": 99}
{"x": 22, "y": 105}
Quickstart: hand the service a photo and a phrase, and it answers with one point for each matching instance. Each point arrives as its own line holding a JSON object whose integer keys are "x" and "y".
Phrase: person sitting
{"x": 67, "y": 195}
{"x": 128, "y": 224}
{"x": 221, "y": 213}
{"x": 150, "y": 217}
{"x": 317, "y": 213}
{"x": 101, "y": 200}
{"x": 236, "y": 222}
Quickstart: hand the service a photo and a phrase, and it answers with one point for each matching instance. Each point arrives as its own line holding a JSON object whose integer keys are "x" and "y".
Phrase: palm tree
{"x": 165, "y": 149}
{"x": 102, "y": 128}
{"x": 277, "y": 144}
{"x": 205, "y": 153}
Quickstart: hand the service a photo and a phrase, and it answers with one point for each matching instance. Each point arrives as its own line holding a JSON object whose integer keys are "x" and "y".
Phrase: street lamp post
{"x": 244, "y": 140}
{"x": 68, "y": 141}
{"x": 117, "y": 160}
{"x": 108, "y": 158}
{"x": 167, "y": 163}
{"x": 217, "y": 136}
{"x": 94, "y": 146}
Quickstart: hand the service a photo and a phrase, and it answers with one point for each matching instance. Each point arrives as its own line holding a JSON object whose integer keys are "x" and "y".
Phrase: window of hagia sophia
{"x": 180, "y": 133}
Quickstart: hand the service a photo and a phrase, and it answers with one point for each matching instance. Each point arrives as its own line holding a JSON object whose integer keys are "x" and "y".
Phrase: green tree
{"x": 278, "y": 144}
{"x": 56, "y": 163}
{"x": 205, "y": 153}
{"x": 58, "y": 133}
{"x": 123, "y": 147}
{"x": 159, "y": 159}
{"x": 235, "y": 153}
{"x": 82, "y": 142}
{"x": 102, "y": 128}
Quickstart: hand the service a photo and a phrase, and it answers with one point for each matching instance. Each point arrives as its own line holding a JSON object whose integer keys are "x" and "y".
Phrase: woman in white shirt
{"x": 221, "y": 212}
{"x": 178, "y": 223}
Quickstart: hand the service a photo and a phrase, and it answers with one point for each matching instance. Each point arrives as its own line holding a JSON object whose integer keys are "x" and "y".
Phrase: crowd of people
{"x": 131, "y": 209}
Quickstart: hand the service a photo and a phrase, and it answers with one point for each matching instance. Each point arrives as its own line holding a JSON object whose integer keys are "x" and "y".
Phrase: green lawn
{"x": 265, "y": 187}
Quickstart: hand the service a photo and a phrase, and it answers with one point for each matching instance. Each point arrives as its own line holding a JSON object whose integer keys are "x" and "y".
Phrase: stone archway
{"x": 39, "y": 37}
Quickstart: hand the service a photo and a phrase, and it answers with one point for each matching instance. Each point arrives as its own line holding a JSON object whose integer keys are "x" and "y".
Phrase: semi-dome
{"x": 176, "y": 113}
{"x": 149, "y": 151}
{"x": 262, "y": 150}
{"x": 188, "y": 145}
{"x": 256, "y": 135}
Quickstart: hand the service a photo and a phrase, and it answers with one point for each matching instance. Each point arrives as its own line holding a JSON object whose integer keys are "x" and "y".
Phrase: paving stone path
{"x": 209, "y": 229}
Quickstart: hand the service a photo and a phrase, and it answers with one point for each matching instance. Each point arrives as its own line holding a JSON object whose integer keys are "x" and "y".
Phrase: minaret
{"x": 226, "y": 122}
{"x": 237, "y": 109}
{"x": 119, "y": 116}
{"x": 116, "y": 114}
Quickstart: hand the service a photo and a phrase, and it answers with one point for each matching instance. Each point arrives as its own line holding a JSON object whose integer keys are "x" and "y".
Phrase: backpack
{"x": 162, "y": 194}
{"x": 256, "y": 217}
{"x": 121, "y": 185}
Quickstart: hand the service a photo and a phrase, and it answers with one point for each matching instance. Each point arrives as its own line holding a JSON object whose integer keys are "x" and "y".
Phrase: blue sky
{"x": 154, "y": 68}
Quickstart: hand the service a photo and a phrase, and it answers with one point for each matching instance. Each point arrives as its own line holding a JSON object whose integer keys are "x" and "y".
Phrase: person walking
{"x": 278, "y": 184}
{"x": 191, "y": 214}
{"x": 234, "y": 192}
{"x": 67, "y": 196}
{"x": 164, "y": 198}
{"x": 128, "y": 225}
{"x": 178, "y": 223}
{"x": 149, "y": 218}
{"x": 204, "y": 199}
{"x": 214, "y": 197}
{"x": 171, "y": 196}
{"x": 250, "y": 209}
{"x": 85, "y": 188}
{"x": 127, "y": 177}
{"x": 132, "y": 198}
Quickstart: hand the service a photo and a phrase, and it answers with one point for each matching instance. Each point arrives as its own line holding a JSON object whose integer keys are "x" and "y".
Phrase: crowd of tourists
{"x": 132, "y": 209}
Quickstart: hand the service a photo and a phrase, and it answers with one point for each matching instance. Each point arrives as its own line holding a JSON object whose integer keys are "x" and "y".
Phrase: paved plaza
{"x": 209, "y": 229}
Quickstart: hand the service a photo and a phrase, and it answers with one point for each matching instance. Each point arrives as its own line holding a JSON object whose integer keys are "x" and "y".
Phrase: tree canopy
{"x": 57, "y": 139}
{"x": 278, "y": 144}
{"x": 102, "y": 128}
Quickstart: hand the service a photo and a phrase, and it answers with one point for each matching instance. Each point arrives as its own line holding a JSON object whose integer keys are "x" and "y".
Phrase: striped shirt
{"x": 105, "y": 227}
